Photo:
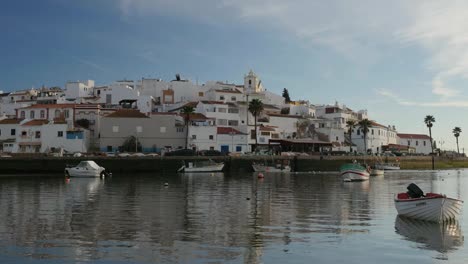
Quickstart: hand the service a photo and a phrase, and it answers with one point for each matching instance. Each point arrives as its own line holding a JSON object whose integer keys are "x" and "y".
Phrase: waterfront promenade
{"x": 13, "y": 165}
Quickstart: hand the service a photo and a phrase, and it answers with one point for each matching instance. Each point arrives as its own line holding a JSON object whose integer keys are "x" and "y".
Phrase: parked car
{"x": 181, "y": 152}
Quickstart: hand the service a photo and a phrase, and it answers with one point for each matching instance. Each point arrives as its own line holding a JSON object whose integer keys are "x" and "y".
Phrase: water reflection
{"x": 441, "y": 237}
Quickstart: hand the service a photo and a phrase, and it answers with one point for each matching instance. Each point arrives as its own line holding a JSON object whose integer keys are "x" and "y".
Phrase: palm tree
{"x": 364, "y": 126}
{"x": 429, "y": 120}
{"x": 255, "y": 108}
{"x": 350, "y": 124}
{"x": 456, "y": 132}
{"x": 187, "y": 111}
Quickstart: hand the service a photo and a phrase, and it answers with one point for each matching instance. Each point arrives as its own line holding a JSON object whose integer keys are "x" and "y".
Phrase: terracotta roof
{"x": 192, "y": 104}
{"x": 197, "y": 116}
{"x": 229, "y": 91}
{"x": 266, "y": 128}
{"x": 282, "y": 115}
{"x": 302, "y": 141}
{"x": 265, "y": 106}
{"x": 228, "y": 131}
{"x": 163, "y": 113}
{"x": 375, "y": 124}
{"x": 413, "y": 136}
{"x": 50, "y": 106}
{"x": 60, "y": 120}
{"x": 10, "y": 121}
{"x": 127, "y": 113}
{"x": 36, "y": 122}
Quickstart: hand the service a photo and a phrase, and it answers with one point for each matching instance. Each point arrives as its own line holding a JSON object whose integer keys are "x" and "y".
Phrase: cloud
{"x": 358, "y": 30}
{"x": 388, "y": 94}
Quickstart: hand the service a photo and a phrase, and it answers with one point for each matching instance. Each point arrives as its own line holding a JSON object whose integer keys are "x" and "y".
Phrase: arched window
{"x": 42, "y": 114}
{"x": 31, "y": 114}
{"x": 23, "y": 114}
{"x": 250, "y": 82}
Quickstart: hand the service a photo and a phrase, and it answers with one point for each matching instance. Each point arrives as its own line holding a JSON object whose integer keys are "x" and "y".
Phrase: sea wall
{"x": 44, "y": 165}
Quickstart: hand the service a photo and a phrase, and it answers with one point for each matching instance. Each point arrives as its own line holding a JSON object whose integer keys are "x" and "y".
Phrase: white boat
{"x": 429, "y": 207}
{"x": 265, "y": 168}
{"x": 441, "y": 237}
{"x": 387, "y": 166}
{"x": 354, "y": 172}
{"x": 376, "y": 172}
{"x": 210, "y": 166}
{"x": 86, "y": 168}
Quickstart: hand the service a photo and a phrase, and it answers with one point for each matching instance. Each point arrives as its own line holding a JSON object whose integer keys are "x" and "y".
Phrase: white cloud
{"x": 359, "y": 30}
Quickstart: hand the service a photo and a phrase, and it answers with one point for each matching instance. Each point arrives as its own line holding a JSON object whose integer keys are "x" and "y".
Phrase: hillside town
{"x": 147, "y": 116}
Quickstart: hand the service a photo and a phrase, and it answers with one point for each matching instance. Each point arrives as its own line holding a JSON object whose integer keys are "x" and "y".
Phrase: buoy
{"x": 67, "y": 180}
{"x": 260, "y": 175}
{"x": 166, "y": 184}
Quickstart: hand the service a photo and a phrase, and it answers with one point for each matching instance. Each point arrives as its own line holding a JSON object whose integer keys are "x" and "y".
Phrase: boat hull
{"x": 435, "y": 209}
{"x": 207, "y": 168}
{"x": 355, "y": 175}
{"x": 263, "y": 168}
{"x": 386, "y": 166}
{"x": 376, "y": 172}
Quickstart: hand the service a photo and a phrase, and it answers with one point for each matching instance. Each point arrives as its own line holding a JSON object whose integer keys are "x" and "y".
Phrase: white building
{"x": 421, "y": 142}
{"x": 79, "y": 89}
{"x": 377, "y": 136}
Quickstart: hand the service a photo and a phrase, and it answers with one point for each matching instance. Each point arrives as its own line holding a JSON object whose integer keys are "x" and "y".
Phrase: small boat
{"x": 441, "y": 237}
{"x": 86, "y": 168}
{"x": 257, "y": 167}
{"x": 387, "y": 166}
{"x": 429, "y": 207}
{"x": 202, "y": 166}
{"x": 354, "y": 172}
{"x": 376, "y": 172}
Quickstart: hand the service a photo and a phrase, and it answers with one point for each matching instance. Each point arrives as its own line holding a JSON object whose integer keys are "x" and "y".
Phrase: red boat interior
{"x": 405, "y": 196}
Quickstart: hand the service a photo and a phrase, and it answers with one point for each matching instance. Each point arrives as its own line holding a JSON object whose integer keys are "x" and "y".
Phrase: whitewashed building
{"x": 377, "y": 137}
{"x": 421, "y": 142}
{"x": 79, "y": 89}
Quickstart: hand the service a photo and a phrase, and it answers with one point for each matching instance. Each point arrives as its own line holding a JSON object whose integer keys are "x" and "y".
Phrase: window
{"x": 250, "y": 82}
{"x": 38, "y": 134}
{"x": 233, "y": 110}
{"x": 98, "y": 92}
{"x": 424, "y": 143}
{"x": 233, "y": 98}
{"x": 31, "y": 114}
{"x": 221, "y": 97}
{"x": 13, "y": 131}
{"x": 233, "y": 123}
{"x": 252, "y": 134}
{"x": 57, "y": 113}
{"x": 109, "y": 148}
{"x": 222, "y": 122}
{"x": 59, "y": 133}
{"x": 200, "y": 94}
{"x": 42, "y": 114}
{"x": 222, "y": 110}
{"x": 417, "y": 142}
{"x": 180, "y": 129}
{"x": 358, "y": 132}
{"x": 211, "y": 137}
{"x": 194, "y": 136}
{"x": 24, "y": 133}
{"x": 139, "y": 129}
{"x": 336, "y": 138}
{"x": 163, "y": 130}
{"x": 115, "y": 129}
{"x": 409, "y": 143}
{"x": 265, "y": 133}
{"x": 372, "y": 130}
{"x": 211, "y": 148}
{"x": 238, "y": 148}
{"x": 67, "y": 113}
{"x": 23, "y": 114}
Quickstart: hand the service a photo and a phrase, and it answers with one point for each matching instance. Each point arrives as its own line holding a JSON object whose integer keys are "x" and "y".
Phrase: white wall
{"x": 421, "y": 145}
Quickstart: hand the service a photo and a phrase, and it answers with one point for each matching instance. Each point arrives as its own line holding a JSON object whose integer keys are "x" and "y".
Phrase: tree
{"x": 456, "y": 132}
{"x": 429, "y": 120}
{"x": 187, "y": 111}
{"x": 84, "y": 123}
{"x": 131, "y": 144}
{"x": 287, "y": 99}
{"x": 350, "y": 124}
{"x": 364, "y": 126}
{"x": 255, "y": 108}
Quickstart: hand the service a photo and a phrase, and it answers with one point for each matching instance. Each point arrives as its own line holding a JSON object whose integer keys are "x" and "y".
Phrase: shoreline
{"x": 299, "y": 164}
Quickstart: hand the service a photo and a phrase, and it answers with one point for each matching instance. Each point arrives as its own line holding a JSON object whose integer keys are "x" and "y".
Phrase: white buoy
{"x": 166, "y": 184}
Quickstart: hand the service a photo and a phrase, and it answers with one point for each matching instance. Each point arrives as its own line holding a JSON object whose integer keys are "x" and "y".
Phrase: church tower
{"x": 252, "y": 84}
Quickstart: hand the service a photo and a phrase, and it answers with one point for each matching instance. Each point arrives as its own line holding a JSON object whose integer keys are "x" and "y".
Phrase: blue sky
{"x": 401, "y": 60}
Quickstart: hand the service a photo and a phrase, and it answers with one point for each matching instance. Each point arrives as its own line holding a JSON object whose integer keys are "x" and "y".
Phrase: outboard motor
{"x": 414, "y": 191}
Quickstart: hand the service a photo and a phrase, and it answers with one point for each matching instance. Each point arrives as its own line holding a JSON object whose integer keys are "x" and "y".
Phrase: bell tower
{"x": 252, "y": 83}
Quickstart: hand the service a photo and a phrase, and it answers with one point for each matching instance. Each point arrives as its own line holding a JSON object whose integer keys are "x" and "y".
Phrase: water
{"x": 218, "y": 218}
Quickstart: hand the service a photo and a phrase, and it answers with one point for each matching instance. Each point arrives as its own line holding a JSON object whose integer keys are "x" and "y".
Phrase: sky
{"x": 400, "y": 60}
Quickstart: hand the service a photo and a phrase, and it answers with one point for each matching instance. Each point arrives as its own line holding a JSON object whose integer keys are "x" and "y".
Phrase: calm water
{"x": 204, "y": 218}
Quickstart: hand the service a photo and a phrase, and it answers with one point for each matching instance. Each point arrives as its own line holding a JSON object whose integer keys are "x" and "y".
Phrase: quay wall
{"x": 44, "y": 165}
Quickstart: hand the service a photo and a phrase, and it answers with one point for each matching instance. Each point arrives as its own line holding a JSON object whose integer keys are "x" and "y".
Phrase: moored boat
{"x": 376, "y": 172}
{"x": 265, "y": 168}
{"x": 387, "y": 166}
{"x": 86, "y": 168}
{"x": 354, "y": 172}
{"x": 209, "y": 166}
{"x": 429, "y": 207}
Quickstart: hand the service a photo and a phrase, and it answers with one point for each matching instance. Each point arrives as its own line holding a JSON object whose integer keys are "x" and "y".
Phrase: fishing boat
{"x": 429, "y": 207}
{"x": 257, "y": 167}
{"x": 376, "y": 172}
{"x": 86, "y": 168}
{"x": 354, "y": 172}
{"x": 387, "y": 166}
{"x": 201, "y": 166}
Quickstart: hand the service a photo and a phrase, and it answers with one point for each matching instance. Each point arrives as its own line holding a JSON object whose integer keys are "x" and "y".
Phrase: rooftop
{"x": 127, "y": 113}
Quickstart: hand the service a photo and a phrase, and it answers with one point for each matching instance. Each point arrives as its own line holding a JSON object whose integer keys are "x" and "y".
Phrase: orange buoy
{"x": 260, "y": 175}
